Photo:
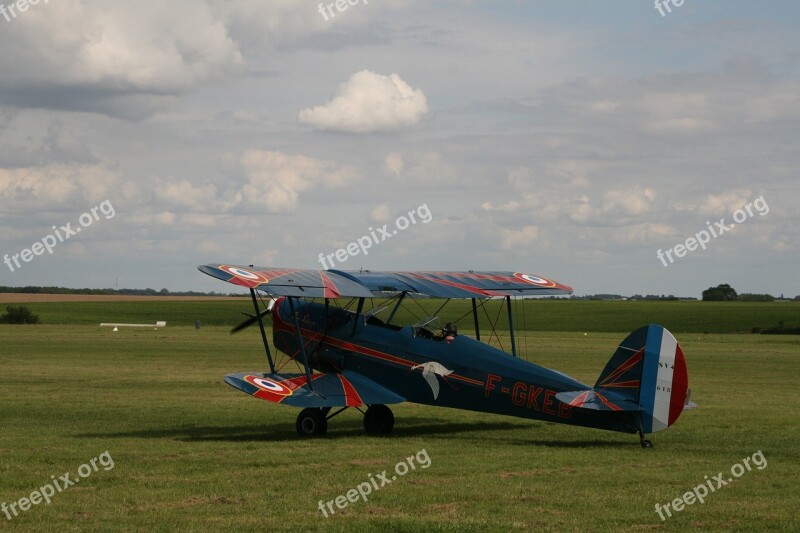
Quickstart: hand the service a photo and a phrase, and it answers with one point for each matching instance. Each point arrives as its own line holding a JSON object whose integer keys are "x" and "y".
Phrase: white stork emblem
{"x": 429, "y": 371}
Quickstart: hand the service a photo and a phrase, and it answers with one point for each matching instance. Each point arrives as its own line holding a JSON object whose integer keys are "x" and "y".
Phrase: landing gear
{"x": 378, "y": 420}
{"x": 643, "y": 441}
{"x": 312, "y": 422}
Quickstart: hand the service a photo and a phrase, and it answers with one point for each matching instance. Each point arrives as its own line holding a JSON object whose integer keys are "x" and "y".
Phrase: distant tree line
{"x": 726, "y": 293}
{"x": 18, "y": 314}
{"x": 601, "y": 296}
{"x": 124, "y": 292}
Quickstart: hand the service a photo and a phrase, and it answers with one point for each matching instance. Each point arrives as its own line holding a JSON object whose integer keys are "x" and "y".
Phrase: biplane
{"x": 350, "y": 357}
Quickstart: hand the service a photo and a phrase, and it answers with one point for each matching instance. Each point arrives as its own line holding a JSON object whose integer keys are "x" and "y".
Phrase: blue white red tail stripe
{"x": 664, "y": 380}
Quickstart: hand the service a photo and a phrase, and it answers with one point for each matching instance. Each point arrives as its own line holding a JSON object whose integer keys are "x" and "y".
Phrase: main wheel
{"x": 378, "y": 419}
{"x": 312, "y": 422}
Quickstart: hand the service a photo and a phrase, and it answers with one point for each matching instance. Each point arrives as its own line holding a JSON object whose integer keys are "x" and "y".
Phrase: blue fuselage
{"x": 471, "y": 375}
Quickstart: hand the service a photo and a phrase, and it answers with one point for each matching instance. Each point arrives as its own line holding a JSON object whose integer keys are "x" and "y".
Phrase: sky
{"x": 594, "y": 143}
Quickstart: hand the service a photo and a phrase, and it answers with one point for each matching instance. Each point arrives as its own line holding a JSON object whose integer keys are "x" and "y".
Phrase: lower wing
{"x": 346, "y": 389}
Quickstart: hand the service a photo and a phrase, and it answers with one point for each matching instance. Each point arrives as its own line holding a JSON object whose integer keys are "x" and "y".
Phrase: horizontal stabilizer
{"x": 597, "y": 401}
{"x": 346, "y": 389}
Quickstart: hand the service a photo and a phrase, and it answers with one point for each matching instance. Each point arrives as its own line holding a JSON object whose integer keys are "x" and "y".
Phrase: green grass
{"x": 533, "y": 315}
{"x": 191, "y": 453}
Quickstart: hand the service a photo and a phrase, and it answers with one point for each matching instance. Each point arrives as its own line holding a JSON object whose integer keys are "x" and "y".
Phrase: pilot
{"x": 450, "y": 332}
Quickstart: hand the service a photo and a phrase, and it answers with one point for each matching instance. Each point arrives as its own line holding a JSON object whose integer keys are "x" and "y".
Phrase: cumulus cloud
{"x": 381, "y": 213}
{"x": 369, "y": 102}
{"x": 57, "y": 145}
{"x": 262, "y": 181}
{"x": 634, "y": 201}
{"x": 509, "y": 207}
{"x": 726, "y": 202}
{"x": 425, "y": 167}
{"x": 91, "y": 55}
{"x": 274, "y": 180}
{"x": 511, "y": 239}
{"x": 393, "y": 163}
{"x": 184, "y": 193}
{"x": 56, "y": 186}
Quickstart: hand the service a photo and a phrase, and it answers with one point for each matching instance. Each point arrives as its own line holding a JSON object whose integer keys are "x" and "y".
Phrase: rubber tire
{"x": 311, "y": 422}
{"x": 378, "y": 420}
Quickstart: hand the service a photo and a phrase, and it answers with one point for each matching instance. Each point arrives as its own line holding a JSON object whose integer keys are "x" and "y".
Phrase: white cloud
{"x": 509, "y": 207}
{"x": 183, "y": 193}
{"x": 56, "y": 186}
{"x": 381, "y": 213}
{"x": 511, "y": 239}
{"x": 369, "y": 102}
{"x": 393, "y": 164}
{"x": 424, "y": 167}
{"x": 580, "y": 211}
{"x": 646, "y": 233}
{"x": 725, "y": 203}
{"x": 79, "y": 54}
{"x": 274, "y": 180}
{"x": 629, "y": 201}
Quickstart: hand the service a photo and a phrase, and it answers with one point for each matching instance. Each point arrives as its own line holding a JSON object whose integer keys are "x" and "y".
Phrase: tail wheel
{"x": 378, "y": 420}
{"x": 312, "y": 422}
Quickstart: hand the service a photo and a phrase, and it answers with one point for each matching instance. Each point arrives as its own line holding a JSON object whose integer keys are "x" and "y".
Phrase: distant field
{"x": 15, "y": 297}
{"x": 531, "y": 315}
{"x": 192, "y": 454}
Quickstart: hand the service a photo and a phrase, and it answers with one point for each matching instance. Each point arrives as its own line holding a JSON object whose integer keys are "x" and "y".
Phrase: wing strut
{"x": 358, "y": 314}
{"x": 475, "y": 318}
{"x": 511, "y": 326}
{"x": 397, "y": 306}
{"x": 302, "y": 346}
{"x": 263, "y": 333}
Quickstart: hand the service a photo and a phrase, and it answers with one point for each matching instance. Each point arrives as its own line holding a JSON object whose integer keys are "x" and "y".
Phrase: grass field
{"x": 533, "y": 315}
{"x": 191, "y": 453}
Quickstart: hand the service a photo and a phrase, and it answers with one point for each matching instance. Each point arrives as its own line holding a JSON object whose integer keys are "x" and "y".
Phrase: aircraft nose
{"x": 274, "y": 306}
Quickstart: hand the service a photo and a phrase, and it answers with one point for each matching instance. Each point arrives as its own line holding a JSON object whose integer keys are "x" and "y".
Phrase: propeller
{"x": 252, "y": 319}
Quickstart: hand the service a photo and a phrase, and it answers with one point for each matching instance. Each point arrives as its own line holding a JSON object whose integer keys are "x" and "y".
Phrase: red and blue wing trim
{"x": 357, "y": 284}
{"x": 346, "y": 389}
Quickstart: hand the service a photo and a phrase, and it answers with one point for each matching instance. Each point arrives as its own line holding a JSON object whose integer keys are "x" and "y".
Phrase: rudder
{"x": 649, "y": 369}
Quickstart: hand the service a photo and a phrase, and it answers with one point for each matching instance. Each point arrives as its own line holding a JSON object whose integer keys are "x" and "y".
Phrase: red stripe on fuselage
{"x": 281, "y": 325}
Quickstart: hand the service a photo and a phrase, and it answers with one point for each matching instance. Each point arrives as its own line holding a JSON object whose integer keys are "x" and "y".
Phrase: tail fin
{"x": 649, "y": 369}
{"x": 647, "y": 373}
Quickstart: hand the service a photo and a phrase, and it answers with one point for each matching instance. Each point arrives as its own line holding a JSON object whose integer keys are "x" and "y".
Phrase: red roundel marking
{"x": 269, "y": 389}
{"x": 535, "y": 280}
{"x": 244, "y": 274}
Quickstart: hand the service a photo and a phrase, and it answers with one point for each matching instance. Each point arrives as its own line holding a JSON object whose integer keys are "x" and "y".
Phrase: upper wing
{"x": 289, "y": 281}
{"x": 341, "y": 283}
{"x": 458, "y": 284}
{"x": 346, "y": 389}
